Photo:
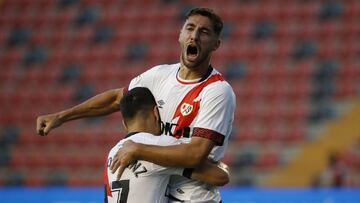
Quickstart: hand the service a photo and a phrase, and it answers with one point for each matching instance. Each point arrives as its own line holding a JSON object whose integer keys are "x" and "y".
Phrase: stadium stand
{"x": 291, "y": 64}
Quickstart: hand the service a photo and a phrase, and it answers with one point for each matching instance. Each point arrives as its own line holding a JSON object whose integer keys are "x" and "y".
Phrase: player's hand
{"x": 45, "y": 123}
{"x": 125, "y": 156}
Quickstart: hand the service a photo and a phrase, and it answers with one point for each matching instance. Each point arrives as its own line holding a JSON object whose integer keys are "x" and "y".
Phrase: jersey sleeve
{"x": 216, "y": 114}
{"x": 145, "y": 79}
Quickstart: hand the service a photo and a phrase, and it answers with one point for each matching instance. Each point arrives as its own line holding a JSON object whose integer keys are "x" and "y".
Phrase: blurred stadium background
{"x": 294, "y": 66}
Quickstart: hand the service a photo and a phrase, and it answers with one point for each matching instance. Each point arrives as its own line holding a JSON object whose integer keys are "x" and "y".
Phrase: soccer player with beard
{"x": 196, "y": 105}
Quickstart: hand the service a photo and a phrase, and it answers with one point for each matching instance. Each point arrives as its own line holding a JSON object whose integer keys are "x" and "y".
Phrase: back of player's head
{"x": 214, "y": 18}
{"x": 137, "y": 100}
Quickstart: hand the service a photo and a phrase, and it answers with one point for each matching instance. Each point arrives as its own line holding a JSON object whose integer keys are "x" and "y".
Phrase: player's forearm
{"x": 184, "y": 155}
{"x": 216, "y": 174}
{"x": 101, "y": 104}
{"x": 176, "y": 156}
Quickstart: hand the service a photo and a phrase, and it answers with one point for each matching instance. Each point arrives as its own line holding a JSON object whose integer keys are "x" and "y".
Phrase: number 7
{"x": 122, "y": 187}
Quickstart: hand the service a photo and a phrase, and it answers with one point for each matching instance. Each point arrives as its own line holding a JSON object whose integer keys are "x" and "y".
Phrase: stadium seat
{"x": 12, "y": 178}
{"x": 35, "y": 178}
{"x": 267, "y": 160}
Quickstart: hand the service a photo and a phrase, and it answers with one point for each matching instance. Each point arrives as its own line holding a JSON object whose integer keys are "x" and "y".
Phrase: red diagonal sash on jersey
{"x": 188, "y": 108}
{"x": 106, "y": 181}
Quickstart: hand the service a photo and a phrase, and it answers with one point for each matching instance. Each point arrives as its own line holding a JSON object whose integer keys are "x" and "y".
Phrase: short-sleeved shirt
{"x": 142, "y": 181}
{"x": 203, "y": 108}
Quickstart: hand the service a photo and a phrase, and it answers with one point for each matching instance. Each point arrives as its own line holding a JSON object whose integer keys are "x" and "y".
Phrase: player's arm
{"x": 216, "y": 174}
{"x": 101, "y": 104}
{"x": 190, "y": 155}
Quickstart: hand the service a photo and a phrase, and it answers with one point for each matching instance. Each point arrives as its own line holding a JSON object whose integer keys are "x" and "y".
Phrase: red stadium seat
{"x": 267, "y": 160}
{"x": 13, "y": 57}
{"x": 35, "y": 178}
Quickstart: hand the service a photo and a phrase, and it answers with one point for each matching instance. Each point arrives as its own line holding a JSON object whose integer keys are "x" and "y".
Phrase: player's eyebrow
{"x": 191, "y": 25}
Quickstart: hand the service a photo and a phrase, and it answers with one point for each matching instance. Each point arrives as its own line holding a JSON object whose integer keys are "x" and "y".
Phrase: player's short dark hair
{"x": 137, "y": 100}
{"x": 214, "y": 18}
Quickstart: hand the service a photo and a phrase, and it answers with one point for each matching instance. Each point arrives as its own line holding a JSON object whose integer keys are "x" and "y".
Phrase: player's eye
{"x": 205, "y": 31}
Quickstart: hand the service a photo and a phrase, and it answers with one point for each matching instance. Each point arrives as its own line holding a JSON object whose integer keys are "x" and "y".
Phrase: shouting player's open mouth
{"x": 192, "y": 52}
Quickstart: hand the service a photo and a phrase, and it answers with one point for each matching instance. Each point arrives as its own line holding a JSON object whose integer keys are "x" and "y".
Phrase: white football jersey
{"x": 142, "y": 181}
{"x": 202, "y": 108}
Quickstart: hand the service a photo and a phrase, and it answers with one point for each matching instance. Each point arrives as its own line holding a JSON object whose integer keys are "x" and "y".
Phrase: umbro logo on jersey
{"x": 186, "y": 109}
{"x": 180, "y": 191}
{"x": 160, "y": 103}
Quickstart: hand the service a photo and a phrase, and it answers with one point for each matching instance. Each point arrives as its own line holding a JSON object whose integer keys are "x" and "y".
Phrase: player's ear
{"x": 157, "y": 119}
{"x": 156, "y": 113}
{"x": 217, "y": 44}
{"x": 124, "y": 124}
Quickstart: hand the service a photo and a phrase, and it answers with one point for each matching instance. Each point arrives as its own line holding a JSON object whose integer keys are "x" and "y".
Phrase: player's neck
{"x": 141, "y": 127}
{"x": 198, "y": 72}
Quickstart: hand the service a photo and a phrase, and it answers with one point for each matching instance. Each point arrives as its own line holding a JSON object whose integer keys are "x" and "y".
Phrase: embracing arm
{"x": 216, "y": 174}
{"x": 101, "y": 104}
{"x": 189, "y": 155}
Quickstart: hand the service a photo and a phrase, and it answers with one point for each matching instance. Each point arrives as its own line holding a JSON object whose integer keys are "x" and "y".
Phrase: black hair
{"x": 214, "y": 18}
{"x": 137, "y": 100}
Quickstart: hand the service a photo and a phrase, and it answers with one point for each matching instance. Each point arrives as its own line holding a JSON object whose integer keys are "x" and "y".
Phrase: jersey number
{"x": 122, "y": 188}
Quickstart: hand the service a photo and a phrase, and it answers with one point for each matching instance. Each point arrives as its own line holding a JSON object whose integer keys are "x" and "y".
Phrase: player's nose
{"x": 195, "y": 35}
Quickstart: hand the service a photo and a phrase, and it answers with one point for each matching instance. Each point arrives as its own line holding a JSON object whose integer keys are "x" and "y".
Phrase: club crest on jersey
{"x": 186, "y": 109}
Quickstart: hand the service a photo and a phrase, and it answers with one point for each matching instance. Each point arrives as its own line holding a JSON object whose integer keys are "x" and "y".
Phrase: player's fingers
{"x": 39, "y": 126}
{"x": 115, "y": 164}
{"x": 46, "y": 129}
{"x": 121, "y": 170}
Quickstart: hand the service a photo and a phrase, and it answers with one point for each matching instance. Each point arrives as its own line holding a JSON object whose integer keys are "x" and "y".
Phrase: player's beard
{"x": 200, "y": 59}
